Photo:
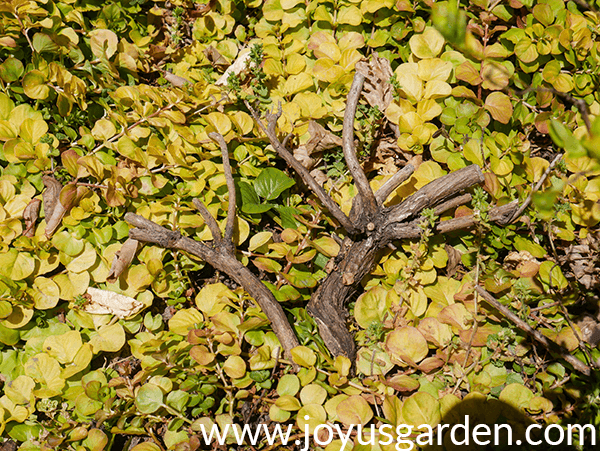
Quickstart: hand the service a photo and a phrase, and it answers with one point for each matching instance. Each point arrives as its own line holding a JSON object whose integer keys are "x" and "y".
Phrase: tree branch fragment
{"x": 537, "y": 336}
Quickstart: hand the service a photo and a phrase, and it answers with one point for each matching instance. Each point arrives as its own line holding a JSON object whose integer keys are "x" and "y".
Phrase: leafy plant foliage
{"x": 106, "y": 107}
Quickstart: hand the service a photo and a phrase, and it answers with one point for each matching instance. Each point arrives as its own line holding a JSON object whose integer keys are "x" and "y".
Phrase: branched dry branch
{"x": 537, "y": 336}
{"x": 308, "y": 179}
{"x": 220, "y": 258}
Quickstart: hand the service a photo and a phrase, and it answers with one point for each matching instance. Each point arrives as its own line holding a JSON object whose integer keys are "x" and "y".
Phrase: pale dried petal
{"x": 238, "y": 66}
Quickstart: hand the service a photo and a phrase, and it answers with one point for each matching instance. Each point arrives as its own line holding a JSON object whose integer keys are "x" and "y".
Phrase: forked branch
{"x": 228, "y": 235}
{"x": 220, "y": 254}
{"x": 308, "y": 179}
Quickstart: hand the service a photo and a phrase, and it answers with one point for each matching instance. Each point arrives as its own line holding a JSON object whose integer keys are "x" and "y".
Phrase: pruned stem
{"x": 394, "y": 182}
{"x": 368, "y": 202}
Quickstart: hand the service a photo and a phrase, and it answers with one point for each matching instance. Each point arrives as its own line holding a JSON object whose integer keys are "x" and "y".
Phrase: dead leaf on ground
{"x": 175, "y": 80}
{"x": 584, "y": 259}
{"x": 320, "y": 138}
{"x": 377, "y": 89}
{"x": 122, "y": 259}
{"x": 453, "y": 260}
{"x": 62, "y": 203}
{"x": 50, "y": 194}
{"x": 30, "y": 215}
{"x": 104, "y": 302}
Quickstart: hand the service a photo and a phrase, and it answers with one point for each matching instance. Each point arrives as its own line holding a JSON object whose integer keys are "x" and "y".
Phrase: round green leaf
{"x": 370, "y": 307}
{"x": 45, "y": 293}
{"x": 421, "y": 408}
{"x": 407, "y": 344}
{"x": 108, "y": 338}
{"x": 149, "y": 398}
{"x": 235, "y": 367}
{"x": 354, "y": 410}
{"x": 34, "y": 85}
{"x": 313, "y": 394}
{"x": 288, "y": 384}
{"x": 304, "y": 356}
{"x": 517, "y": 395}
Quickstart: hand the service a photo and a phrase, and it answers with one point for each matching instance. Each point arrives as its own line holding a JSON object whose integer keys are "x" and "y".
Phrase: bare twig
{"x": 368, "y": 202}
{"x": 209, "y": 220}
{"x": 435, "y": 192}
{"x": 392, "y": 183}
{"x": 452, "y": 203}
{"x": 308, "y": 179}
{"x": 580, "y": 104}
{"x": 228, "y": 235}
{"x": 548, "y": 344}
{"x": 131, "y": 127}
{"x": 538, "y": 185}
{"x": 585, "y": 5}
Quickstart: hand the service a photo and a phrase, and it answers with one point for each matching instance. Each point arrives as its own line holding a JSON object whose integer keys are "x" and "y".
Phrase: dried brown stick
{"x": 435, "y": 192}
{"x": 368, "y": 202}
{"x": 215, "y": 231}
{"x": 499, "y": 215}
{"x": 222, "y": 260}
{"x": 392, "y": 183}
{"x": 228, "y": 235}
{"x": 452, "y": 203}
{"x": 537, "y": 336}
{"x": 537, "y": 187}
{"x": 308, "y": 179}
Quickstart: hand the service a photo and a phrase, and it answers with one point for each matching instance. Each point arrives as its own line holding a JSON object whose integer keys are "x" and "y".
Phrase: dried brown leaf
{"x": 454, "y": 260}
{"x": 122, "y": 259}
{"x": 320, "y": 139}
{"x": 319, "y": 176}
{"x": 377, "y": 88}
{"x": 50, "y": 195}
{"x": 215, "y": 58}
{"x": 66, "y": 199}
{"x": 30, "y": 215}
{"x": 104, "y": 302}
{"x": 301, "y": 154}
{"x": 175, "y": 80}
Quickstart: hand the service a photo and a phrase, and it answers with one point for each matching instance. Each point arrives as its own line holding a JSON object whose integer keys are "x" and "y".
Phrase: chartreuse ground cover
{"x": 106, "y": 108}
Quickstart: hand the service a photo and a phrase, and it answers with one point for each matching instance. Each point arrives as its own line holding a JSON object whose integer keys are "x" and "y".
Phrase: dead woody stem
{"x": 369, "y": 228}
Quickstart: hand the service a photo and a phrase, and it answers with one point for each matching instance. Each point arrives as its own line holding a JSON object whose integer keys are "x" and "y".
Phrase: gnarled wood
{"x": 221, "y": 259}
